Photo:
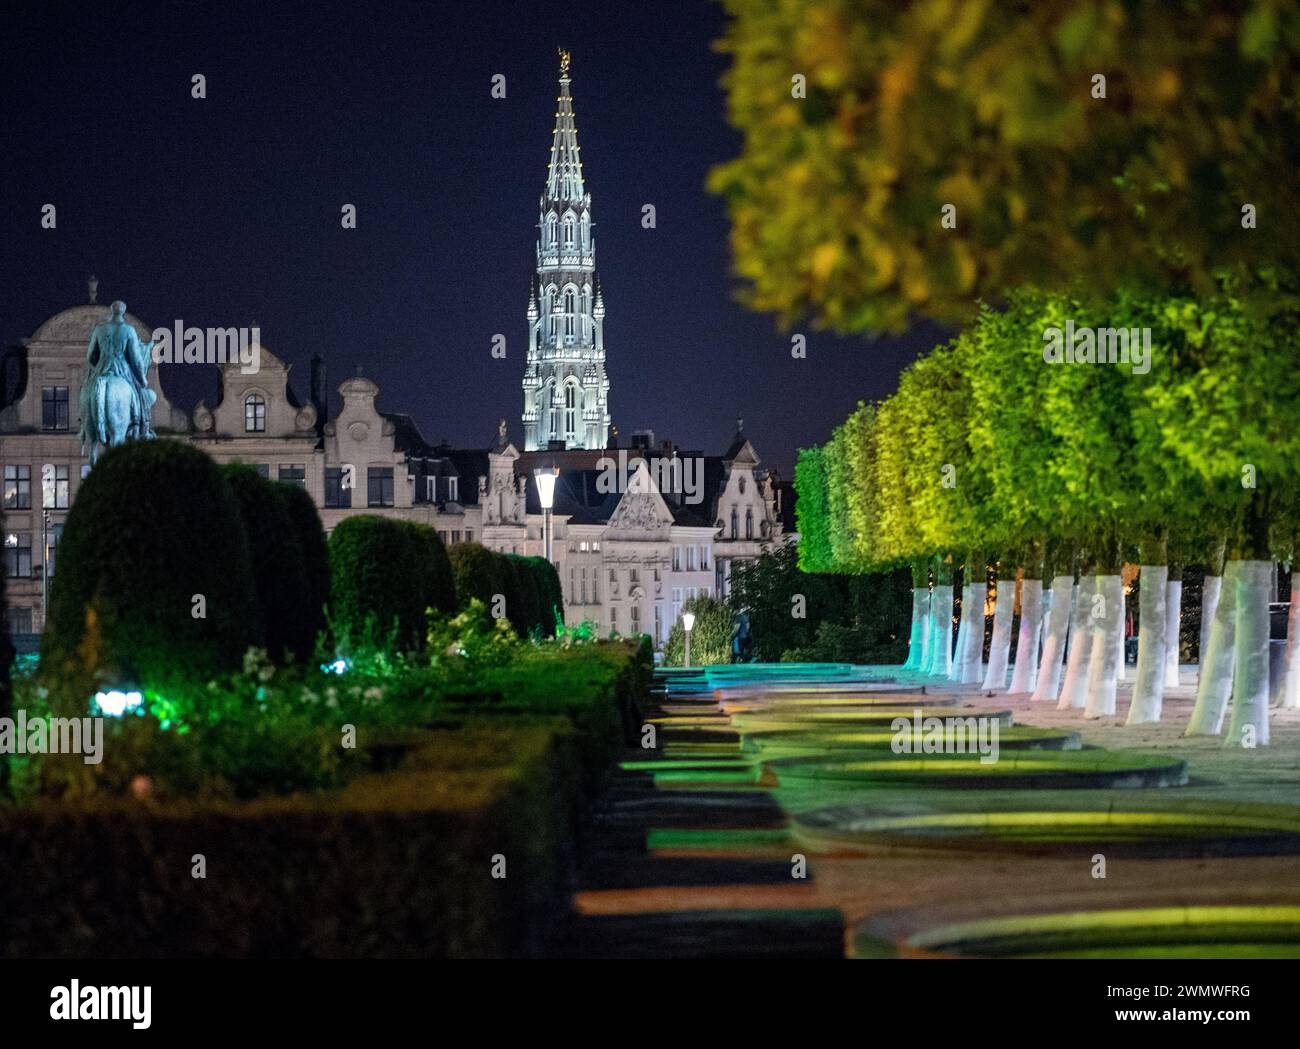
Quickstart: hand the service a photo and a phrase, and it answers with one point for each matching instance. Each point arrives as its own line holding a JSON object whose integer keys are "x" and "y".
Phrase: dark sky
{"x": 226, "y": 211}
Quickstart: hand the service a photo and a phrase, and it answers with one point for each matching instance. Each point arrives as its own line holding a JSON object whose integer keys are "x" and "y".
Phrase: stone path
{"x": 693, "y": 852}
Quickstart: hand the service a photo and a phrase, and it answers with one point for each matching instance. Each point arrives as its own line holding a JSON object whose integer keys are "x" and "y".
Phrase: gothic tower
{"x": 566, "y": 394}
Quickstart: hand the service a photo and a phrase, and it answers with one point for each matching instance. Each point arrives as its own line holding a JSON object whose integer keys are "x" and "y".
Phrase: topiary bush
{"x": 314, "y": 553}
{"x": 154, "y": 527}
{"x": 384, "y": 577}
{"x": 550, "y": 596}
{"x": 710, "y": 638}
{"x": 525, "y": 611}
{"x": 279, "y": 579}
{"x": 478, "y": 573}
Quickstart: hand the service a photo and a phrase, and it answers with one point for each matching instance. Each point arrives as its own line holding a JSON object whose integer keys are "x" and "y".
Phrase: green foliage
{"x": 279, "y": 568}
{"x": 869, "y": 614}
{"x": 812, "y": 511}
{"x": 911, "y": 105}
{"x": 154, "y": 524}
{"x": 385, "y": 575}
{"x": 524, "y": 603}
{"x": 470, "y": 640}
{"x": 710, "y": 637}
{"x": 480, "y": 574}
{"x": 313, "y": 550}
{"x": 549, "y": 594}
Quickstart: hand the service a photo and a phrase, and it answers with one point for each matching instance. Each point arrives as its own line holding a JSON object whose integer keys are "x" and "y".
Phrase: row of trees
{"x": 988, "y": 453}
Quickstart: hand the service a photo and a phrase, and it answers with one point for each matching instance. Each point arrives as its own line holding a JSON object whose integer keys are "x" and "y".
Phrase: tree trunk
{"x": 1054, "y": 640}
{"x": 1291, "y": 662}
{"x": 1149, "y": 686}
{"x": 1103, "y": 668}
{"x": 1000, "y": 646}
{"x": 1249, "y": 725}
{"x": 1023, "y": 677}
{"x": 974, "y": 670}
{"x": 1211, "y": 587}
{"x": 920, "y": 617}
{"x": 1173, "y": 621}
{"x": 957, "y": 672}
{"x": 1217, "y": 662}
{"x": 941, "y": 619}
{"x": 1074, "y": 689}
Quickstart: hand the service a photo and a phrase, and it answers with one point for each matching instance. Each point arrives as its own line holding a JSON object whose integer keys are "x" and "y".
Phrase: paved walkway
{"x": 719, "y": 842}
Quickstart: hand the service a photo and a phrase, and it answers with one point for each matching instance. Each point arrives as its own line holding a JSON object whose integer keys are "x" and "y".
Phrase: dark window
{"x": 337, "y": 494}
{"x": 469, "y": 535}
{"x": 254, "y": 414}
{"x": 735, "y": 528}
{"x": 295, "y": 473}
{"x": 18, "y": 555}
{"x": 54, "y": 408}
{"x": 264, "y": 469}
{"x": 749, "y": 523}
{"x": 18, "y": 487}
{"x": 455, "y": 535}
{"x": 379, "y": 482}
{"x": 54, "y": 487}
{"x": 20, "y": 620}
{"x": 442, "y": 537}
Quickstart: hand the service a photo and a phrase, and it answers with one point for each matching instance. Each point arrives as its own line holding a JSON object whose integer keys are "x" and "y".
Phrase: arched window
{"x": 551, "y": 223}
{"x": 570, "y": 413}
{"x": 586, "y": 232}
{"x": 570, "y": 310}
{"x": 553, "y": 415}
{"x": 735, "y": 525}
{"x": 568, "y": 231}
{"x": 254, "y": 414}
{"x": 749, "y": 523}
{"x": 742, "y": 485}
{"x": 548, "y": 307}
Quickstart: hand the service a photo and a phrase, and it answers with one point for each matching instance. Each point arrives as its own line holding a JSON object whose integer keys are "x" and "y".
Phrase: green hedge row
{"x": 385, "y": 575}
{"x": 170, "y": 566}
{"x": 399, "y": 863}
{"x": 526, "y": 590}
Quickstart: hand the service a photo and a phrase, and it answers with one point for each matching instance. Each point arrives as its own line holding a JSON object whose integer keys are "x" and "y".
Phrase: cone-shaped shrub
{"x": 314, "y": 553}
{"x": 525, "y": 611}
{"x": 154, "y": 578}
{"x": 479, "y": 573}
{"x": 549, "y": 593}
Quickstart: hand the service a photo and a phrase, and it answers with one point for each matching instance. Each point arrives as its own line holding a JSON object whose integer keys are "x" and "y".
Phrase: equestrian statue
{"x": 116, "y": 402}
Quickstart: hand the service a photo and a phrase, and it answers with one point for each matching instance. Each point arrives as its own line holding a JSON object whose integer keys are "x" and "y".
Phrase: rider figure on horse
{"x": 116, "y": 402}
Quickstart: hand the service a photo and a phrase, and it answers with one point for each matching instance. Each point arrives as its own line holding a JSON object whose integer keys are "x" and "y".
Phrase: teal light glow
{"x": 114, "y": 704}
{"x": 339, "y": 666}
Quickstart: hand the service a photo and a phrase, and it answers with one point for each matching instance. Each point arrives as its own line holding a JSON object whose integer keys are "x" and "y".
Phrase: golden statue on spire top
{"x": 564, "y": 61}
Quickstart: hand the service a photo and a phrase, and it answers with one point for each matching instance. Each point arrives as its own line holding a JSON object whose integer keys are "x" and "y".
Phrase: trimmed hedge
{"x": 154, "y": 525}
{"x": 479, "y": 573}
{"x": 550, "y": 595}
{"x": 279, "y": 579}
{"x": 313, "y": 551}
{"x": 397, "y": 864}
{"x": 384, "y": 576}
{"x": 710, "y": 638}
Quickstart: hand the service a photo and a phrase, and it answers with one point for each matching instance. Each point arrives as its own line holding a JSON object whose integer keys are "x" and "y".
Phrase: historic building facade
{"x": 638, "y": 530}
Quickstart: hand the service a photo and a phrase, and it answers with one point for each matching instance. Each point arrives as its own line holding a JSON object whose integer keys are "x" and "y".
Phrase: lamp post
{"x": 45, "y": 566}
{"x": 545, "y": 477}
{"x": 688, "y": 621}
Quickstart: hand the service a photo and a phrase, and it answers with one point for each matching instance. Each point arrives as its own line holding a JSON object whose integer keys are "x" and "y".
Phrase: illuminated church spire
{"x": 565, "y": 389}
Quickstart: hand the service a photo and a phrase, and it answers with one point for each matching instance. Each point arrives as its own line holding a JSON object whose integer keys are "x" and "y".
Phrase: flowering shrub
{"x": 470, "y": 640}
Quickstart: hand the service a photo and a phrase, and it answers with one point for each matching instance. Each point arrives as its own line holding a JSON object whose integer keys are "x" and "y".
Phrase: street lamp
{"x": 545, "y": 477}
{"x": 688, "y": 621}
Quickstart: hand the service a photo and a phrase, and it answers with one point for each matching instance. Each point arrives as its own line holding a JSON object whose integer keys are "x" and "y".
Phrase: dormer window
{"x": 254, "y": 414}
{"x": 453, "y": 489}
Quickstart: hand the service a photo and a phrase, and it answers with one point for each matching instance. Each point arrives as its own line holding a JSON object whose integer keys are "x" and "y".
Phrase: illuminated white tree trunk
{"x": 1024, "y": 676}
{"x": 1000, "y": 645}
{"x": 1149, "y": 686}
{"x": 1074, "y": 689}
{"x": 957, "y": 672}
{"x": 1121, "y": 667}
{"x": 973, "y": 663}
{"x": 920, "y": 628}
{"x": 1103, "y": 667}
{"x": 1291, "y": 663}
{"x": 1210, "y": 590}
{"x": 1173, "y": 621}
{"x": 1249, "y": 724}
{"x": 941, "y": 630}
{"x": 1217, "y": 662}
{"x": 1054, "y": 638}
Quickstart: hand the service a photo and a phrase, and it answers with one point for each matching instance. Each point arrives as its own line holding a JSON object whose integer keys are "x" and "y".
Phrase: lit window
{"x": 18, "y": 487}
{"x": 54, "y": 487}
{"x": 254, "y": 414}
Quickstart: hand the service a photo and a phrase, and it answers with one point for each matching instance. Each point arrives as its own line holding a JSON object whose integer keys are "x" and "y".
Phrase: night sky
{"x": 226, "y": 211}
